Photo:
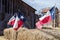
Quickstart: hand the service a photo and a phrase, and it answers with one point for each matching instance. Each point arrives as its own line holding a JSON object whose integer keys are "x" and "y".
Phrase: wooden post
{"x": 56, "y": 18}
{"x": 55, "y": 21}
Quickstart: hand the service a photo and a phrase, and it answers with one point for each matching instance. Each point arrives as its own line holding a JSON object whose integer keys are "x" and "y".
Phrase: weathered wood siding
{"x": 9, "y": 7}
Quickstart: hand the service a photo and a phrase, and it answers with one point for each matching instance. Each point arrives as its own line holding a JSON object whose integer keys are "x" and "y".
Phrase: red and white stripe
{"x": 11, "y": 21}
{"x": 18, "y": 23}
{"x": 43, "y": 20}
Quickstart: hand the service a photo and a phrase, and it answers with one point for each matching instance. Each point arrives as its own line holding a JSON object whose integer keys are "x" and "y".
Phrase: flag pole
{"x": 53, "y": 20}
{"x": 54, "y": 15}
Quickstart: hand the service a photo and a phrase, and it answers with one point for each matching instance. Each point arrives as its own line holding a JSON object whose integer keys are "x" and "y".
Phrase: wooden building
{"x": 36, "y": 18}
{"x": 9, "y": 7}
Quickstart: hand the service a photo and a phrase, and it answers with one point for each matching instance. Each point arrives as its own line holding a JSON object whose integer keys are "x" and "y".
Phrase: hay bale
{"x": 28, "y": 34}
{"x": 6, "y": 34}
{"x": 45, "y": 36}
{"x": 13, "y": 34}
{"x": 55, "y": 33}
{"x": 2, "y": 38}
{"x": 40, "y": 35}
{"x": 10, "y": 34}
{"x": 34, "y": 35}
{"x": 25, "y": 35}
{"x": 22, "y": 29}
{"x": 22, "y": 32}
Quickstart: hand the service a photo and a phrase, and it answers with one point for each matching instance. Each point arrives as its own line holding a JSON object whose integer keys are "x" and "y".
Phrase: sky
{"x": 40, "y": 4}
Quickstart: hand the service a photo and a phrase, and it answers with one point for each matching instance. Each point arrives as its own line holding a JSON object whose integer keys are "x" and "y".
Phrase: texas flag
{"x": 43, "y": 20}
{"x": 46, "y": 18}
{"x": 17, "y": 21}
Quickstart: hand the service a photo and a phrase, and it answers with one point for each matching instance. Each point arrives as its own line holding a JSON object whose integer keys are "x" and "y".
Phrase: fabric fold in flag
{"x": 18, "y": 23}
{"x": 46, "y": 18}
{"x": 38, "y": 25}
{"x": 12, "y": 20}
{"x": 20, "y": 19}
{"x": 43, "y": 20}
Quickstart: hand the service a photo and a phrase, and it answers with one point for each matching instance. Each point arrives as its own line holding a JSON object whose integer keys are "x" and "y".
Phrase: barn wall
{"x": 9, "y": 7}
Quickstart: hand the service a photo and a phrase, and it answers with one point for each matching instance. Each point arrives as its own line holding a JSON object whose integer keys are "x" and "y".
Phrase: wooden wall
{"x": 9, "y": 7}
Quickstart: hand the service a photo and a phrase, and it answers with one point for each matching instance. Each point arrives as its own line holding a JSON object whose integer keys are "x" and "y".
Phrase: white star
{"x": 52, "y": 13}
{"x": 22, "y": 17}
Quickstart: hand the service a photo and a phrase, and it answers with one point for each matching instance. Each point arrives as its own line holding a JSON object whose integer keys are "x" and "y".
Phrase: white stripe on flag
{"x": 38, "y": 25}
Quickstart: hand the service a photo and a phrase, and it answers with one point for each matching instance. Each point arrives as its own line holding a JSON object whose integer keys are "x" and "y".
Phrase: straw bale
{"x": 34, "y": 35}
{"x": 2, "y": 38}
{"x": 45, "y": 36}
{"x": 26, "y": 35}
{"x": 13, "y": 34}
{"x": 42, "y": 35}
{"x": 6, "y": 33}
{"x": 55, "y": 33}
{"x": 30, "y": 34}
{"x": 22, "y": 32}
{"x": 22, "y": 29}
{"x": 10, "y": 34}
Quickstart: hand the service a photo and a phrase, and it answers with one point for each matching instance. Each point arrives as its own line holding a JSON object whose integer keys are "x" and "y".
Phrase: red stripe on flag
{"x": 12, "y": 22}
{"x": 42, "y": 22}
{"x": 39, "y": 25}
{"x": 20, "y": 23}
{"x": 46, "y": 20}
